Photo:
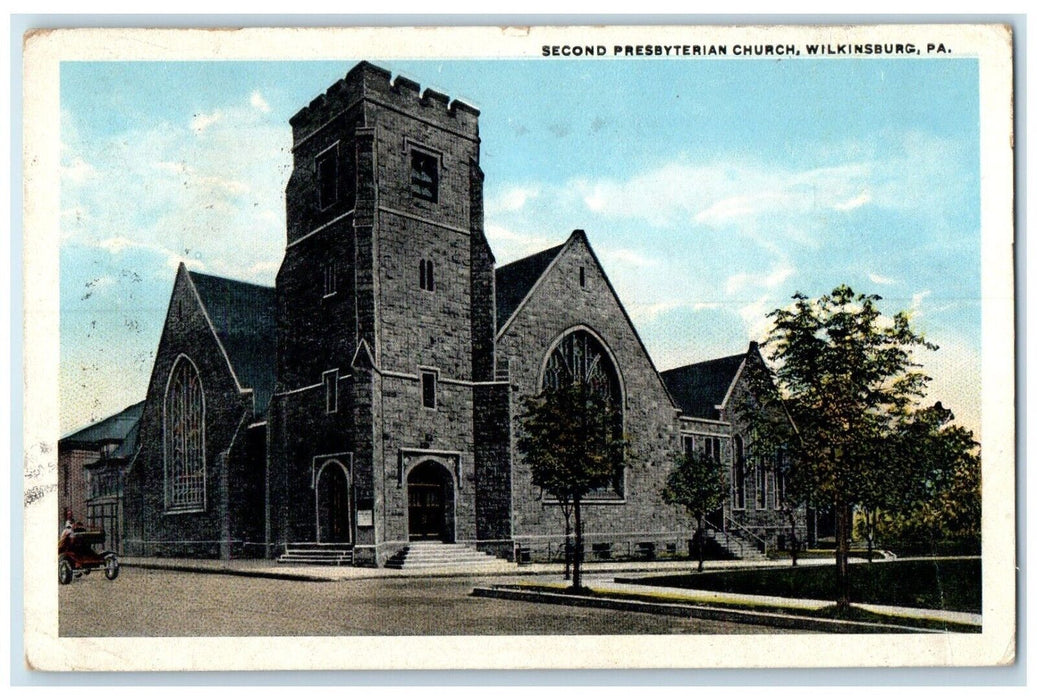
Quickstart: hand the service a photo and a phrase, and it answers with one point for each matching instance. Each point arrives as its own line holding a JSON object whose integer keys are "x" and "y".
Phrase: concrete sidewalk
{"x": 599, "y": 575}
{"x": 267, "y": 568}
{"x": 705, "y": 597}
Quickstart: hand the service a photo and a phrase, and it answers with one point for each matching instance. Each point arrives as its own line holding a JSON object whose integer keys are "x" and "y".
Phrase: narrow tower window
{"x": 583, "y": 277}
{"x": 330, "y": 279}
{"x": 426, "y": 275}
{"x": 327, "y": 178}
{"x": 424, "y": 176}
{"x": 428, "y": 389}
{"x": 331, "y": 391}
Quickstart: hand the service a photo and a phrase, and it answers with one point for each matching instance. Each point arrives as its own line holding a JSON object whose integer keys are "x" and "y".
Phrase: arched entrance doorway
{"x": 430, "y": 503}
{"x": 333, "y": 522}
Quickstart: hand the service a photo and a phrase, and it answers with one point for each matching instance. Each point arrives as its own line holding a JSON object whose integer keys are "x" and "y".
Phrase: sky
{"x": 711, "y": 190}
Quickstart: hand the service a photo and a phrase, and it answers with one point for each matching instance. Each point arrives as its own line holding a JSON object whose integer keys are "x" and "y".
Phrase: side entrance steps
{"x": 439, "y": 555}
{"x": 317, "y": 554}
{"x": 737, "y": 547}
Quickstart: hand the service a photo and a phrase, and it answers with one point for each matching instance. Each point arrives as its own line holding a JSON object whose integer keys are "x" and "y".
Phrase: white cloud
{"x": 777, "y": 277}
{"x": 916, "y": 303}
{"x": 742, "y": 280}
{"x": 116, "y": 244}
{"x": 217, "y": 202}
{"x": 856, "y": 202}
{"x": 257, "y": 101}
{"x": 511, "y": 200}
{"x": 201, "y": 122}
{"x": 509, "y": 245}
{"x": 754, "y": 317}
{"x": 624, "y": 256}
{"x": 646, "y": 313}
{"x": 724, "y": 193}
{"x": 879, "y": 279}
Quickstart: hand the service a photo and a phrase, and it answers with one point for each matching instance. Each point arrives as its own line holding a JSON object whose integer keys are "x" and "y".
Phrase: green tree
{"x": 942, "y": 500}
{"x": 571, "y": 440}
{"x": 848, "y": 379}
{"x": 762, "y": 410}
{"x": 697, "y": 482}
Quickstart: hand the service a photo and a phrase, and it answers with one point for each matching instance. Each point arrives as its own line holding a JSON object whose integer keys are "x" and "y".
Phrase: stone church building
{"x": 371, "y": 398}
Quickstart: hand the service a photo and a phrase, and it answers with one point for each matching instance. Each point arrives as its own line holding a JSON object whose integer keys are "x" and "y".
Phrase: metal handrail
{"x": 752, "y": 535}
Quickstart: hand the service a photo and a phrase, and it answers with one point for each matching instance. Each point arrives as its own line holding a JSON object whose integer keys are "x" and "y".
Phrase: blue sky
{"x": 710, "y": 189}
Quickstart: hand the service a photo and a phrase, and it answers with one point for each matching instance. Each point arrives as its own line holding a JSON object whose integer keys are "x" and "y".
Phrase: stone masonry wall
{"x": 560, "y": 304}
{"x": 226, "y": 411}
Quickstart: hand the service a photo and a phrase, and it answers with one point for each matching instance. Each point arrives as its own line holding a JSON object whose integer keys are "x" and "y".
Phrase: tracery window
{"x": 580, "y": 357}
{"x": 184, "y": 439}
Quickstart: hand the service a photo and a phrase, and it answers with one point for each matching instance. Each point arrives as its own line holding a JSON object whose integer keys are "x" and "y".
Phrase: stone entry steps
{"x": 438, "y": 555}
{"x": 317, "y": 554}
{"x": 736, "y": 546}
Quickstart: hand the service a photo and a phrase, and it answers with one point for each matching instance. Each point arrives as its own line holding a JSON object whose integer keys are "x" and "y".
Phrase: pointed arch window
{"x": 580, "y": 357}
{"x": 738, "y": 478}
{"x": 184, "y": 438}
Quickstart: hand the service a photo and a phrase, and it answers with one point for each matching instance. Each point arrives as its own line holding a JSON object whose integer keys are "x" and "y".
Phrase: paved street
{"x": 148, "y": 603}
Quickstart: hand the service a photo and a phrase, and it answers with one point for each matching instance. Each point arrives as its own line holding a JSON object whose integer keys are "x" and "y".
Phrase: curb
{"x": 703, "y": 612}
{"x": 186, "y": 568}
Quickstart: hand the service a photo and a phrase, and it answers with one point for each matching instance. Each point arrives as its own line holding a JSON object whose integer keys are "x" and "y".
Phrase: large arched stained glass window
{"x": 579, "y": 357}
{"x": 185, "y": 438}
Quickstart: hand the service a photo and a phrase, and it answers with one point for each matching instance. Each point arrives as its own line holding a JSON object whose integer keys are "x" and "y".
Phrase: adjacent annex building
{"x": 371, "y": 398}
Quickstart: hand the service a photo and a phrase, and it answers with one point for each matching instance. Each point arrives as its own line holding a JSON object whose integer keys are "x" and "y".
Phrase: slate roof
{"x": 245, "y": 319}
{"x": 514, "y": 281}
{"x": 699, "y": 388}
{"x": 114, "y": 428}
{"x": 128, "y": 447}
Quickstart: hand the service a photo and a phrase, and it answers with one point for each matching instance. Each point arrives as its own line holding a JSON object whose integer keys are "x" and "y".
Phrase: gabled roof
{"x": 514, "y": 281}
{"x": 114, "y": 428}
{"x": 245, "y": 320}
{"x": 699, "y": 388}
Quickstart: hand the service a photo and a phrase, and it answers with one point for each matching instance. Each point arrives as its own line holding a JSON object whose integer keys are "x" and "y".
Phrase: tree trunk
{"x": 843, "y": 524}
{"x": 793, "y": 542}
{"x": 869, "y": 531}
{"x": 700, "y": 537}
{"x": 578, "y": 553}
{"x": 568, "y": 545}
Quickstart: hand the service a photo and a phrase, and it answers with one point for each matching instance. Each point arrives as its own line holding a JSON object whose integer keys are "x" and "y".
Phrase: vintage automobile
{"x": 77, "y": 555}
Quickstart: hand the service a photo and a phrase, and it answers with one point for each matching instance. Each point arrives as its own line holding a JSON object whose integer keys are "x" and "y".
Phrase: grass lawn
{"x": 831, "y": 612}
{"x": 945, "y": 584}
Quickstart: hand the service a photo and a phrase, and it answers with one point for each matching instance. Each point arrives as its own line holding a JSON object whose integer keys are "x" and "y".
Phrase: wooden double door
{"x": 430, "y": 503}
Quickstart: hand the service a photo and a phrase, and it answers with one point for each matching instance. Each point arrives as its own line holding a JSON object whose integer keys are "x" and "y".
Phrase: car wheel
{"x": 111, "y": 567}
{"x": 64, "y": 571}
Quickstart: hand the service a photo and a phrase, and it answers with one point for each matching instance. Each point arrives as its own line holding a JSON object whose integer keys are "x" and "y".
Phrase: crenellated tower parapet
{"x": 373, "y": 83}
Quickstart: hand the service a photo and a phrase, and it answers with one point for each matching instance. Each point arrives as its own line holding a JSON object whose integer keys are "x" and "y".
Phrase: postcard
{"x": 519, "y": 348}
